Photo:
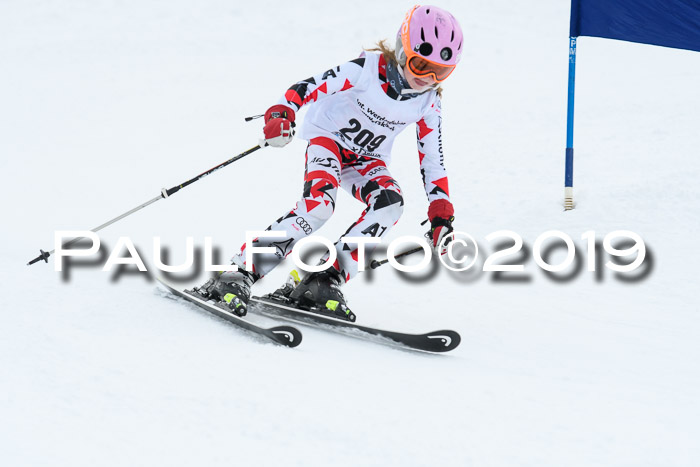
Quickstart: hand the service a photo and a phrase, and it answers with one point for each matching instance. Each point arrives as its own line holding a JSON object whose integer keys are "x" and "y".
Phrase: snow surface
{"x": 105, "y": 102}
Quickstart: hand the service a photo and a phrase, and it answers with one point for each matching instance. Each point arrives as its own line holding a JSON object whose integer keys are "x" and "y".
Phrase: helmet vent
{"x": 453, "y": 36}
{"x": 436, "y": 31}
{"x": 425, "y": 49}
{"x": 427, "y": 12}
{"x": 422, "y": 35}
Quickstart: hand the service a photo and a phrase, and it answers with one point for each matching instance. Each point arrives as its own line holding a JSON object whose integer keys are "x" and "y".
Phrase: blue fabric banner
{"x": 669, "y": 23}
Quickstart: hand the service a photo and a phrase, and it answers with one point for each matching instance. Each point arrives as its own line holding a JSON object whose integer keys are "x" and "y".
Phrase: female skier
{"x": 355, "y": 112}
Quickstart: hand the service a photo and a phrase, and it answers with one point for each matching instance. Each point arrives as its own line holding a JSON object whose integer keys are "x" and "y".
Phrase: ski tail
{"x": 287, "y": 336}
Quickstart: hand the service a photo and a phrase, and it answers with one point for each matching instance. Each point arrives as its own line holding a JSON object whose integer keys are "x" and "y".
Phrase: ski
{"x": 283, "y": 335}
{"x": 436, "y": 341}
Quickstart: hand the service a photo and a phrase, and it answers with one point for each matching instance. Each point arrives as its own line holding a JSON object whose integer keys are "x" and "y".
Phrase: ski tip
{"x": 443, "y": 341}
{"x": 286, "y": 335}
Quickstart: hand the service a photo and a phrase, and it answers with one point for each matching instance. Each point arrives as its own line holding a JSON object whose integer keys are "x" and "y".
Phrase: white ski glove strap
{"x": 285, "y": 134}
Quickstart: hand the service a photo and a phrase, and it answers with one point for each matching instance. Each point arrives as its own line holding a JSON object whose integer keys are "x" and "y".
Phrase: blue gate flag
{"x": 669, "y": 23}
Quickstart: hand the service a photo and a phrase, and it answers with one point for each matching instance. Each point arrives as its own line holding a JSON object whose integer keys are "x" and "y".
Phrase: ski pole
{"x": 164, "y": 193}
{"x": 375, "y": 264}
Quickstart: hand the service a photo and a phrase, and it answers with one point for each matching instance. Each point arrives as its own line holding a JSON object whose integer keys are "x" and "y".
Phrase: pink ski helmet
{"x": 429, "y": 42}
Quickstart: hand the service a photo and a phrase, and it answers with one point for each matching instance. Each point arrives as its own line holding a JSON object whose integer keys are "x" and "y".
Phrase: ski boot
{"x": 282, "y": 294}
{"x": 231, "y": 289}
{"x": 319, "y": 292}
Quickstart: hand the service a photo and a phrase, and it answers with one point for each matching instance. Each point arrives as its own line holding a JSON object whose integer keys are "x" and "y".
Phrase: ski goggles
{"x": 421, "y": 67}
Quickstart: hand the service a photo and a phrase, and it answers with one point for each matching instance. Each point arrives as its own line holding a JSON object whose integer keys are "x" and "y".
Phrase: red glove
{"x": 441, "y": 214}
{"x": 279, "y": 121}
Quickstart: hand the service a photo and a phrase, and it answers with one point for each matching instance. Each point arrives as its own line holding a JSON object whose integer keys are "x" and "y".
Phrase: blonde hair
{"x": 386, "y": 50}
{"x": 390, "y": 57}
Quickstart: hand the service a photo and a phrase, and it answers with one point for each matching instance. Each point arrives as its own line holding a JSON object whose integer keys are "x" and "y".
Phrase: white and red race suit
{"x": 355, "y": 112}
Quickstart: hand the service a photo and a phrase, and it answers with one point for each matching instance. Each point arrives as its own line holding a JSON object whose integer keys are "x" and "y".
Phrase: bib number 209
{"x": 364, "y": 138}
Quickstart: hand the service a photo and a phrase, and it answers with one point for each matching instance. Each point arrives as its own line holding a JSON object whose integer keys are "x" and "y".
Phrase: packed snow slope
{"x": 105, "y": 102}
